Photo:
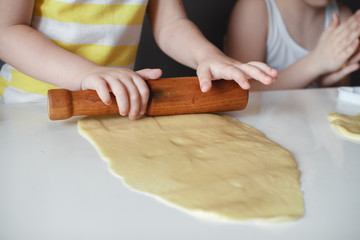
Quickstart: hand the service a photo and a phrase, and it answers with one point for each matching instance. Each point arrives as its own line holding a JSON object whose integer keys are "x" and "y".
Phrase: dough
{"x": 209, "y": 165}
{"x": 346, "y": 125}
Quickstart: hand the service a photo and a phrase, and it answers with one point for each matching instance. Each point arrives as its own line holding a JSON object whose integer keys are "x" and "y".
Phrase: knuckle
{"x": 119, "y": 91}
{"x": 241, "y": 75}
{"x": 99, "y": 84}
{"x": 145, "y": 92}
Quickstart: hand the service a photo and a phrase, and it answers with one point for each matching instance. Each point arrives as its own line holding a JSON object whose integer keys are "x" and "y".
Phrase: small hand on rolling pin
{"x": 129, "y": 88}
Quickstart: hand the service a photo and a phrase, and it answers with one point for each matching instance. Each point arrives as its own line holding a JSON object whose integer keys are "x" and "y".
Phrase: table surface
{"x": 54, "y": 185}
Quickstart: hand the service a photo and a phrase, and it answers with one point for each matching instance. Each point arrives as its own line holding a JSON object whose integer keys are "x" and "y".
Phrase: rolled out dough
{"x": 209, "y": 165}
{"x": 346, "y": 125}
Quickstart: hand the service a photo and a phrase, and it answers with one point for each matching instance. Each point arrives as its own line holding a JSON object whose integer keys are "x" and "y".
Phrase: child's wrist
{"x": 83, "y": 77}
{"x": 207, "y": 53}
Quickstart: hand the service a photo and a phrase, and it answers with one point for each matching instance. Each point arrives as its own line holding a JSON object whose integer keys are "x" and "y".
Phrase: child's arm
{"x": 181, "y": 39}
{"x": 247, "y": 41}
{"x": 35, "y": 55}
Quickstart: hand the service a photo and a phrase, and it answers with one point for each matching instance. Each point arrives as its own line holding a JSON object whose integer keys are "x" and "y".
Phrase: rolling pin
{"x": 168, "y": 96}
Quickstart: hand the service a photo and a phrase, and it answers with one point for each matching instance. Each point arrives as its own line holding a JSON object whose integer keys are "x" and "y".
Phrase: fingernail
{"x": 245, "y": 85}
{"x": 270, "y": 79}
{"x": 204, "y": 87}
{"x": 133, "y": 117}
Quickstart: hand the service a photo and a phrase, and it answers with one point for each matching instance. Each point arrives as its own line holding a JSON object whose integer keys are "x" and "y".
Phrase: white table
{"x": 54, "y": 185}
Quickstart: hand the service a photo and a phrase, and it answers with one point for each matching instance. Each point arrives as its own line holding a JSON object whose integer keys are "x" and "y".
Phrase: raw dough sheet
{"x": 211, "y": 166}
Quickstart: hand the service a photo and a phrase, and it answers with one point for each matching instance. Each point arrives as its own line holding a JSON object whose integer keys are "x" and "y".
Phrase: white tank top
{"x": 281, "y": 50}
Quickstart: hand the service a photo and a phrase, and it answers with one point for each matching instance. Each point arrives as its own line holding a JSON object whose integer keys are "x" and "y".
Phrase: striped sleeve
{"x": 106, "y": 32}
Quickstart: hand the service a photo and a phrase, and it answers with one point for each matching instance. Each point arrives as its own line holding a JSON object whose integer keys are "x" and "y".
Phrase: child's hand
{"x": 130, "y": 90}
{"x": 336, "y": 45}
{"x": 219, "y": 66}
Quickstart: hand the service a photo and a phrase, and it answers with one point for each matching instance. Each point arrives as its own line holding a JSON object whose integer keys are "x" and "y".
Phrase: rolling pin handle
{"x": 60, "y": 104}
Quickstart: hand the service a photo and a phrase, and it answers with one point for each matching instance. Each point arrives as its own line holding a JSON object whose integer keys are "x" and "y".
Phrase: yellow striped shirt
{"x": 106, "y": 32}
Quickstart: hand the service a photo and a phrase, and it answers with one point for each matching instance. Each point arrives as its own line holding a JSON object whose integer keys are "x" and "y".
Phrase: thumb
{"x": 150, "y": 74}
{"x": 335, "y": 22}
{"x": 205, "y": 81}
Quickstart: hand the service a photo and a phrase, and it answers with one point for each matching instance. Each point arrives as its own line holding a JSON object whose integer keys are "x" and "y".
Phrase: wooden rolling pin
{"x": 168, "y": 96}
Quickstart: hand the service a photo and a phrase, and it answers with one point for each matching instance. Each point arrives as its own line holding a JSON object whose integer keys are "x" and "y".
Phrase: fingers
{"x": 129, "y": 88}
{"x": 100, "y": 86}
{"x": 144, "y": 95}
{"x": 351, "y": 24}
{"x": 125, "y": 94}
{"x": 131, "y": 93}
{"x": 146, "y": 74}
{"x": 270, "y": 73}
{"x": 349, "y": 51}
{"x": 355, "y": 58}
{"x": 334, "y": 22}
{"x": 335, "y": 77}
{"x": 349, "y": 69}
{"x": 241, "y": 76}
{"x": 338, "y": 43}
{"x": 256, "y": 70}
{"x": 150, "y": 74}
{"x": 348, "y": 35}
{"x": 240, "y": 73}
